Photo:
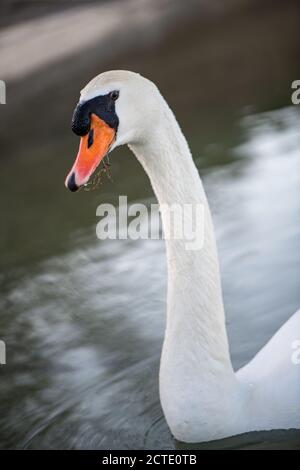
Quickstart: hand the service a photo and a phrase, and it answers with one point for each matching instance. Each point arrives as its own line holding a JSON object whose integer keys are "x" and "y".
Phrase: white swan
{"x": 202, "y": 397}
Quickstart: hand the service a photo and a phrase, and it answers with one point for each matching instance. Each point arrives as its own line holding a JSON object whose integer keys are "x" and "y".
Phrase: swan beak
{"x": 92, "y": 149}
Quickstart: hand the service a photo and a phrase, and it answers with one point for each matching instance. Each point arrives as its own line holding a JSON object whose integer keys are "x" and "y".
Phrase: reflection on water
{"x": 84, "y": 329}
{"x": 85, "y": 354}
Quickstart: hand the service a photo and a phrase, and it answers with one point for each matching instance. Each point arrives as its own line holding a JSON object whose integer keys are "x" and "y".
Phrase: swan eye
{"x": 114, "y": 95}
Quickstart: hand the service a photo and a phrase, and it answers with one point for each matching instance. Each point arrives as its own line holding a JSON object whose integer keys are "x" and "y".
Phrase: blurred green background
{"x": 82, "y": 319}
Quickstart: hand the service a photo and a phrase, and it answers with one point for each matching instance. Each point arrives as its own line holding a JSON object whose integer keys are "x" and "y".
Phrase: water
{"x": 84, "y": 328}
{"x": 83, "y": 320}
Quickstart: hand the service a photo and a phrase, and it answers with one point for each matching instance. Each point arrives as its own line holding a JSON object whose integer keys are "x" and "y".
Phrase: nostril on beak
{"x": 72, "y": 186}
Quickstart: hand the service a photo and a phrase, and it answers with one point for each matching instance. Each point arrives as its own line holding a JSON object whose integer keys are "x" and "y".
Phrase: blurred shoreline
{"x": 50, "y": 34}
{"x": 13, "y": 12}
{"x": 163, "y": 41}
{"x": 46, "y": 40}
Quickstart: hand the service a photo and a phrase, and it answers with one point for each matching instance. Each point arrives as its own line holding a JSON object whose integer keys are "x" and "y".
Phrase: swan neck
{"x": 195, "y": 335}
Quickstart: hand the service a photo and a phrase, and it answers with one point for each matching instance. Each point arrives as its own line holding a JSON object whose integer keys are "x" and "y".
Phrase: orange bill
{"x": 92, "y": 149}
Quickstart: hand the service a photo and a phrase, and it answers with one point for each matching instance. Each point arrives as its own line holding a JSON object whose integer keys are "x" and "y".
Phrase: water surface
{"x": 83, "y": 319}
{"x": 84, "y": 328}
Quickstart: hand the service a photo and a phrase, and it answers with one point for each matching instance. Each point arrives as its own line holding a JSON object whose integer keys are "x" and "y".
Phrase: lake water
{"x": 84, "y": 328}
{"x": 83, "y": 319}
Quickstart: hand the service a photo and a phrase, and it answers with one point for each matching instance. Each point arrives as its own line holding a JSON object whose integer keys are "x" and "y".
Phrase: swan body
{"x": 202, "y": 397}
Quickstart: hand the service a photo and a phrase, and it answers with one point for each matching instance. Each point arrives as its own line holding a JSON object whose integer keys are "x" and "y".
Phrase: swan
{"x": 202, "y": 397}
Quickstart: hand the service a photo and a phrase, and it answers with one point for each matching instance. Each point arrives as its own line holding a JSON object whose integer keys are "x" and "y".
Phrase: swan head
{"x": 115, "y": 108}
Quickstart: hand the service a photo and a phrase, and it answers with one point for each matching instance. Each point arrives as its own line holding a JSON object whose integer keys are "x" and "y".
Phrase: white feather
{"x": 202, "y": 397}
